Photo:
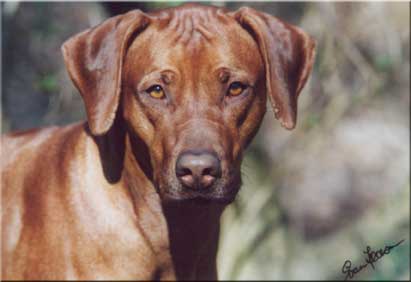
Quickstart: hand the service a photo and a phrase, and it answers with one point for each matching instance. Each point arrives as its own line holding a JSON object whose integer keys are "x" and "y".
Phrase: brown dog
{"x": 173, "y": 98}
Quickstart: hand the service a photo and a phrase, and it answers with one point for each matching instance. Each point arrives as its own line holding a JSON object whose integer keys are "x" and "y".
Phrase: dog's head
{"x": 192, "y": 83}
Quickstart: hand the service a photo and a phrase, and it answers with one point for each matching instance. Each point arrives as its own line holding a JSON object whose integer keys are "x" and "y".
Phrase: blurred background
{"x": 312, "y": 197}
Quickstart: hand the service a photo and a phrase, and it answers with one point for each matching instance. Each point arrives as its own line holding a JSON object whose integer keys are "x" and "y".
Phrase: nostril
{"x": 212, "y": 168}
{"x": 213, "y": 171}
{"x": 207, "y": 171}
{"x": 183, "y": 172}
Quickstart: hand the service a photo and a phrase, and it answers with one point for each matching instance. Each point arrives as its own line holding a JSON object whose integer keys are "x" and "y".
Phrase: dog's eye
{"x": 156, "y": 91}
{"x": 236, "y": 88}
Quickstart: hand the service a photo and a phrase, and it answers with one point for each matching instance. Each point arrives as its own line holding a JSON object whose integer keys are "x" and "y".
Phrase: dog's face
{"x": 199, "y": 89}
{"x": 193, "y": 84}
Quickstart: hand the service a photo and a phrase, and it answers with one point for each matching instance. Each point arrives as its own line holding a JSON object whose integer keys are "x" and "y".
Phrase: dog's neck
{"x": 188, "y": 231}
{"x": 193, "y": 233}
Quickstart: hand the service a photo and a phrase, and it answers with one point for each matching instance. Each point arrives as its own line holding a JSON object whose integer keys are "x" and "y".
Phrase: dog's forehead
{"x": 195, "y": 13}
{"x": 191, "y": 25}
{"x": 198, "y": 14}
{"x": 206, "y": 36}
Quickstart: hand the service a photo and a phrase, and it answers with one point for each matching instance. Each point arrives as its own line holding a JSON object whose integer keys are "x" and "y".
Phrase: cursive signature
{"x": 371, "y": 258}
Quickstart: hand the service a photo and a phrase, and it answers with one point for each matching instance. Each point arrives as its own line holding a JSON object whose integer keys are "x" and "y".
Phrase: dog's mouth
{"x": 200, "y": 199}
{"x": 223, "y": 192}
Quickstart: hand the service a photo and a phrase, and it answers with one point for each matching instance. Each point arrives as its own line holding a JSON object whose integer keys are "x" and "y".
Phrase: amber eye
{"x": 156, "y": 91}
{"x": 236, "y": 88}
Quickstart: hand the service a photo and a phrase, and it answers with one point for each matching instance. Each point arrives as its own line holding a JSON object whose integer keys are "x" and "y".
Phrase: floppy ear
{"x": 288, "y": 55}
{"x": 94, "y": 60}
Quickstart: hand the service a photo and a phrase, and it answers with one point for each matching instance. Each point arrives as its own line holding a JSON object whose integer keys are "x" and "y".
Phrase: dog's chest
{"x": 123, "y": 242}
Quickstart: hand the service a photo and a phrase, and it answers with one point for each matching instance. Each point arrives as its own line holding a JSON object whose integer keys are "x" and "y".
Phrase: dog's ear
{"x": 288, "y": 55}
{"x": 94, "y": 60}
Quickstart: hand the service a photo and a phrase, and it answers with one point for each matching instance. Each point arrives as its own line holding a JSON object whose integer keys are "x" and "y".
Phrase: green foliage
{"x": 383, "y": 63}
{"x": 392, "y": 266}
{"x": 48, "y": 83}
{"x": 163, "y": 4}
{"x": 312, "y": 120}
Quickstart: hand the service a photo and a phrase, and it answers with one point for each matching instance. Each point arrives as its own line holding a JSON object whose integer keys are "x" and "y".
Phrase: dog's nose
{"x": 198, "y": 170}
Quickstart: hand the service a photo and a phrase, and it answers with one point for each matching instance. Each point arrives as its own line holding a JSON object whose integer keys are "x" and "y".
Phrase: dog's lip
{"x": 202, "y": 198}
{"x": 223, "y": 191}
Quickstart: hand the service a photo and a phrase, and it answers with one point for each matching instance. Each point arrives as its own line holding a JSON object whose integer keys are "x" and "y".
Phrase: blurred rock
{"x": 355, "y": 167}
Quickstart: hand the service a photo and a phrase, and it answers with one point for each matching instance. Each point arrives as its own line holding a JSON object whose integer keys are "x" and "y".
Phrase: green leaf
{"x": 48, "y": 83}
{"x": 383, "y": 63}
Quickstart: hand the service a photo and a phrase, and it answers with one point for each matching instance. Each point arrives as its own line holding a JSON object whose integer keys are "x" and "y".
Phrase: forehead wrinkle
{"x": 198, "y": 26}
{"x": 204, "y": 32}
{"x": 221, "y": 15}
{"x": 204, "y": 23}
{"x": 209, "y": 15}
{"x": 191, "y": 26}
{"x": 187, "y": 30}
{"x": 173, "y": 23}
{"x": 178, "y": 32}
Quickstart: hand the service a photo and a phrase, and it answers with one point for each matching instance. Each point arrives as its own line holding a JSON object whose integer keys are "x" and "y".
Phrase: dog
{"x": 173, "y": 98}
